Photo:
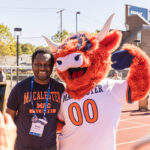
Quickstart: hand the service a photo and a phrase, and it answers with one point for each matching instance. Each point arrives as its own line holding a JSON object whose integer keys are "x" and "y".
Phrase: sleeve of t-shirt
{"x": 60, "y": 115}
{"x": 12, "y": 101}
{"x": 62, "y": 89}
{"x": 119, "y": 90}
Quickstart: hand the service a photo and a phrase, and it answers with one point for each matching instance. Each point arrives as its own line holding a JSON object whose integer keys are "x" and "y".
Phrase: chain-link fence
{"x": 12, "y": 77}
{"x": 15, "y": 74}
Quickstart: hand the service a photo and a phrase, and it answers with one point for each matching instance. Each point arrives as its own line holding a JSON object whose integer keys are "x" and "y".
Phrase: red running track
{"x": 133, "y": 126}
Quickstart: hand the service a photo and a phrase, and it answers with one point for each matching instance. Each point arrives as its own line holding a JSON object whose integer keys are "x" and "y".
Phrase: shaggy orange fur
{"x": 139, "y": 73}
{"x": 97, "y": 61}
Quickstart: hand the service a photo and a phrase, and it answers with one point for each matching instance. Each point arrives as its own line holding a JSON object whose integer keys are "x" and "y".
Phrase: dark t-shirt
{"x": 20, "y": 101}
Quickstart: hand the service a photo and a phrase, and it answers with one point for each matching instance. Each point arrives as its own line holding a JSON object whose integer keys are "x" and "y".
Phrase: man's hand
{"x": 7, "y": 132}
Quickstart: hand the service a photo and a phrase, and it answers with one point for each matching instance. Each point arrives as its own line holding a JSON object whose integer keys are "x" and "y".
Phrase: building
{"x": 137, "y": 22}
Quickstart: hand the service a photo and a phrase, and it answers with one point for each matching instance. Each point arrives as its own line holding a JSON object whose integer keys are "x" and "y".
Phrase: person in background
{"x": 34, "y": 103}
{"x": 2, "y": 75}
{"x": 116, "y": 76}
{"x": 2, "y": 88}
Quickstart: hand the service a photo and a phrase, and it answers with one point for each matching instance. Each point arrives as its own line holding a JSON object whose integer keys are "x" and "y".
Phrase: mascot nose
{"x": 73, "y": 60}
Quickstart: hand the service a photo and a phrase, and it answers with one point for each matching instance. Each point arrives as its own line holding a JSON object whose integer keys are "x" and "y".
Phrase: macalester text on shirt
{"x": 97, "y": 89}
{"x": 41, "y": 95}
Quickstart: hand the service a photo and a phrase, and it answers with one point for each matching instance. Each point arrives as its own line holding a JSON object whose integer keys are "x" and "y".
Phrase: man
{"x": 2, "y": 88}
{"x": 34, "y": 103}
{"x": 116, "y": 76}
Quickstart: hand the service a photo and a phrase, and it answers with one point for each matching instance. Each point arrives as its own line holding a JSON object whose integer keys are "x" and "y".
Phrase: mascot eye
{"x": 59, "y": 62}
{"x": 77, "y": 57}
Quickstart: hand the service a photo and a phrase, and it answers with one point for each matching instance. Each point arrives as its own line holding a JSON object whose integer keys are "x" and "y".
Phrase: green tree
{"x": 7, "y": 42}
{"x": 57, "y": 37}
{"x": 42, "y": 47}
{"x": 27, "y": 48}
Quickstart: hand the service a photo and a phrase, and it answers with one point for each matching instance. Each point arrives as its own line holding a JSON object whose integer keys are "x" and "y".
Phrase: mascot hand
{"x": 121, "y": 59}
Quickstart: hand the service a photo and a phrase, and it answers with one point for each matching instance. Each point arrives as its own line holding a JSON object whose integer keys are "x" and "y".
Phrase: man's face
{"x": 42, "y": 68}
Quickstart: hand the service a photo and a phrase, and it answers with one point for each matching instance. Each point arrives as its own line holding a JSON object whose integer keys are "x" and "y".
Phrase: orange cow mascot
{"x": 91, "y": 105}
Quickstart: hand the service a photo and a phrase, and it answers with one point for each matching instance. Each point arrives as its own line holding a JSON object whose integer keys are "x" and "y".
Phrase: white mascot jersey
{"x": 91, "y": 122}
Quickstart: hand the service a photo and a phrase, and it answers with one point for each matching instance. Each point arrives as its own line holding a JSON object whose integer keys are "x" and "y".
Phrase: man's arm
{"x": 11, "y": 112}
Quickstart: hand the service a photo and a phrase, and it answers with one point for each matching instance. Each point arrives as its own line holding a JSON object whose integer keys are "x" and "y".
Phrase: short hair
{"x": 43, "y": 51}
{"x": 116, "y": 72}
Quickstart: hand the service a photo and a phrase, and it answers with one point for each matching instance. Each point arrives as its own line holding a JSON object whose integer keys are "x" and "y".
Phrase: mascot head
{"x": 83, "y": 60}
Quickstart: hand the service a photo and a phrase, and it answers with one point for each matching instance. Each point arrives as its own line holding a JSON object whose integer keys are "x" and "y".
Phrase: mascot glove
{"x": 121, "y": 59}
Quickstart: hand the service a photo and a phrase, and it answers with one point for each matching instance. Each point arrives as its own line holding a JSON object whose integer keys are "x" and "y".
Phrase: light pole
{"x": 78, "y": 12}
{"x": 60, "y": 23}
{"x": 17, "y": 33}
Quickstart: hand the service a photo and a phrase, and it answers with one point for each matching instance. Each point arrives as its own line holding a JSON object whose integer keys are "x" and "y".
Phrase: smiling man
{"x": 34, "y": 103}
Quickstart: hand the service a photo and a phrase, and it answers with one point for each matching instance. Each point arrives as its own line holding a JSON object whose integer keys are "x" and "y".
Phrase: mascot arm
{"x": 138, "y": 78}
{"x": 60, "y": 125}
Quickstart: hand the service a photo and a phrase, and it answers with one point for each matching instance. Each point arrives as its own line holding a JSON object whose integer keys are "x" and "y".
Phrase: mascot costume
{"x": 91, "y": 105}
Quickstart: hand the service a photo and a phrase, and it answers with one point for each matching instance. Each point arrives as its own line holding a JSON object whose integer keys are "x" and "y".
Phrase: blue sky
{"x": 39, "y": 17}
